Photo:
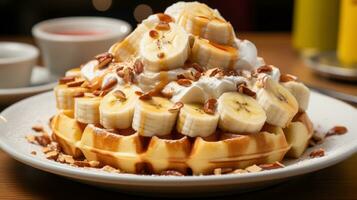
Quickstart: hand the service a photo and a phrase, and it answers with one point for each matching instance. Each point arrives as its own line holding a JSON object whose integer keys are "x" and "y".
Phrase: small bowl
{"x": 69, "y": 42}
{"x": 16, "y": 63}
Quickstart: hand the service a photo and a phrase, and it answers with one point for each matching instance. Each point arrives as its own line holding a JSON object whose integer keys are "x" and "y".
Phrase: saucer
{"x": 41, "y": 81}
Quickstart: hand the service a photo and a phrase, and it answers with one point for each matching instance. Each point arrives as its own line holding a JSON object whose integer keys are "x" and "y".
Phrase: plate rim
{"x": 149, "y": 180}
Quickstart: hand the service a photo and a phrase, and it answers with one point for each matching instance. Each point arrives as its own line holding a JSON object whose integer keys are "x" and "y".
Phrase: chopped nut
{"x": 239, "y": 171}
{"x": 66, "y": 79}
{"x": 210, "y": 106}
{"x": 78, "y": 94}
{"x": 96, "y": 92}
{"x": 108, "y": 168}
{"x": 184, "y": 82}
{"x": 43, "y": 140}
{"x": 38, "y": 128}
{"x": 138, "y": 67}
{"x": 31, "y": 139}
{"x": 163, "y": 26}
{"x": 197, "y": 75}
{"x": 104, "y": 59}
{"x": 269, "y": 166}
{"x": 287, "y": 77}
{"x": 127, "y": 74}
{"x": 52, "y": 155}
{"x": 264, "y": 69}
{"x": 337, "y": 130}
{"x": 245, "y": 90}
{"x": 165, "y": 18}
{"x": 94, "y": 85}
{"x": 75, "y": 83}
{"x": 154, "y": 34}
{"x": 215, "y": 72}
{"x": 177, "y": 106}
{"x": 161, "y": 55}
{"x": 111, "y": 83}
{"x": 181, "y": 76}
{"x": 119, "y": 95}
{"x": 171, "y": 173}
{"x": 146, "y": 96}
{"x": 33, "y": 152}
{"x": 81, "y": 163}
{"x": 317, "y": 153}
{"x": 94, "y": 163}
{"x": 254, "y": 168}
{"x": 197, "y": 67}
{"x": 219, "y": 171}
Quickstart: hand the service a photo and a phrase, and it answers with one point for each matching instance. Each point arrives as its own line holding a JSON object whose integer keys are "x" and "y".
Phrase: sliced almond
{"x": 239, "y": 171}
{"x": 254, "y": 168}
{"x": 37, "y": 128}
{"x": 52, "y": 155}
{"x": 337, "y": 130}
{"x": 270, "y": 166}
{"x": 108, "y": 168}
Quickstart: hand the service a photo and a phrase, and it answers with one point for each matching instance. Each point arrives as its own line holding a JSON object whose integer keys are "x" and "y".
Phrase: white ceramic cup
{"x": 68, "y": 42}
{"x": 16, "y": 63}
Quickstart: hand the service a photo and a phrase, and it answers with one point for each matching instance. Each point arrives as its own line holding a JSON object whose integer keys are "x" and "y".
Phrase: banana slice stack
{"x": 210, "y": 113}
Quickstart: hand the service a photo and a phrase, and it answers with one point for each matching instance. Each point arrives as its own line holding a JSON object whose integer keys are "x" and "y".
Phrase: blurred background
{"x": 17, "y": 17}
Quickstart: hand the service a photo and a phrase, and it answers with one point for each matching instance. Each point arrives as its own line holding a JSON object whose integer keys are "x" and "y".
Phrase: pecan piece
{"x": 111, "y": 83}
{"x": 43, "y": 140}
{"x": 242, "y": 88}
{"x": 270, "y": 166}
{"x": 337, "y": 130}
{"x": 154, "y": 34}
{"x": 66, "y": 79}
{"x": 163, "y": 26}
{"x": 78, "y": 94}
{"x": 119, "y": 95}
{"x": 161, "y": 55}
{"x": 317, "y": 153}
{"x": 210, "y": 106}
{"x": 104, "y": 59}
{"x": 176, "y": 107}
{"x": 37, "y": 128}
{"x": 287, "y": 77}
{"x": 264, "y": 69}
{"x": 52, "y": 155}
{"x": 146, "y": 96}
{"x": 75, "y": 83}
{"x": 184, "y": 82}
{"x": 197, "y": 67}
{"x": 138, "y": 67}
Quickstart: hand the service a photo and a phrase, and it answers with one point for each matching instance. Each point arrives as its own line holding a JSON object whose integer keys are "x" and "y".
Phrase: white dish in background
{"x": 324, "y": 111}
{"x": 40, "y": 82}
{"x": 68, "y": 42}
{"x": 16, "y": 63}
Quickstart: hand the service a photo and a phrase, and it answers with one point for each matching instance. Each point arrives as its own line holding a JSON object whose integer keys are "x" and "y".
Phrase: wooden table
{"x": 18, "y": 181}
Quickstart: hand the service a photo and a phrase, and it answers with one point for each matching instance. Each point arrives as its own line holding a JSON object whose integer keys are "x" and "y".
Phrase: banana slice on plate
{"x": 152, "y": 117}
{"x": 213, "y": 55}
{"x": 193, "y": 121}
{"x": 165, "y": 47}
{"x": 300, "y": 92}
{"x": 297, "y": 136}
{"x": 117, "y": 107}
{"x": 203, "y": 21}
{"x": 86, "y": 109}
{"x": 240, "y": 113}
{"x": 279, "y": 104}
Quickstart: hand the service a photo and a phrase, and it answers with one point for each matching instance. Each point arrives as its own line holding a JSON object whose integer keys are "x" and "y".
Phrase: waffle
{"x": 132, "y": 153}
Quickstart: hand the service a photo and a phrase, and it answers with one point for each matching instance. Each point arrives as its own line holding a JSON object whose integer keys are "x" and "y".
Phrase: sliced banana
{"x": 240, "y": 113}
{"x": 86, "y": 109}
{"x": 201, "y": 20}
{"x": 194, "y": 122}
{"x": 75, "y": 72}
{"x": 152, "y": 117}
{"x": 298, "y": 137}
{"x": 279, "y": 104}
{"x": 164, "y": 48}
{"x": 117, "y": 107}
{"x": 65, "y": 96}
{"x": 300, "y": 92}
{"x": 213, "y": 55}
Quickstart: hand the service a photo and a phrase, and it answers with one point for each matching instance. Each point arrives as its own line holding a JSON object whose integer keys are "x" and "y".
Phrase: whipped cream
{"x": 89, "y": 70}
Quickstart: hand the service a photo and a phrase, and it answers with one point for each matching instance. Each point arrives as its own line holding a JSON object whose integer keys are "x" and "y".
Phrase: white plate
{"x": 325, "y": 112}
{"x": 40, "y": 82}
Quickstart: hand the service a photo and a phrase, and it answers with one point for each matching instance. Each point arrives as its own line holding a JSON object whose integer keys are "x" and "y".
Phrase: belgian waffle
{"x": 181, "y": 93}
